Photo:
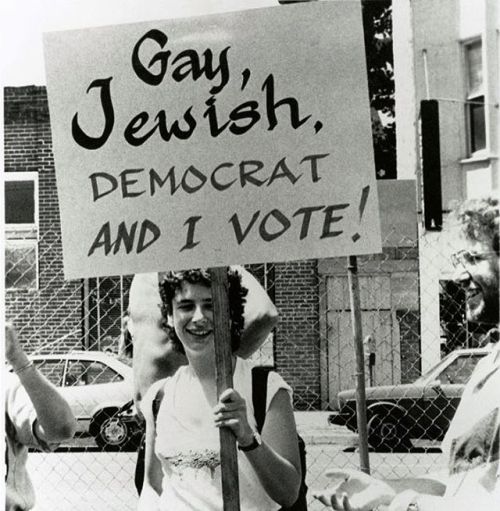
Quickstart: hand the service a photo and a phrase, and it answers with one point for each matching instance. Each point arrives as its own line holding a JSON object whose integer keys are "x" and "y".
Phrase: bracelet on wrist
{"x": 24, "y": 367}
{"x": 256, "y": 442}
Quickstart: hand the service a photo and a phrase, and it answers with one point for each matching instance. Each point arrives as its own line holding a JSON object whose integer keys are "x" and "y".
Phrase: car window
{"x": 425, "y": 377}
{"x": 460, "y": 370}
{"x": 76, "y": 374}
{"x": 97, "y": 372}
{"x": 52, "y": 369}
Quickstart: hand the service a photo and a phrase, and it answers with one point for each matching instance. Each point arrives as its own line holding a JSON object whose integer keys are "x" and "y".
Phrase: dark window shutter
{"x": 431, "y": 165}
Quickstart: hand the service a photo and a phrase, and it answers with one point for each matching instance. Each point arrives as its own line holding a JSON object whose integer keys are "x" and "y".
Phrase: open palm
{"x": 352, "y": 490}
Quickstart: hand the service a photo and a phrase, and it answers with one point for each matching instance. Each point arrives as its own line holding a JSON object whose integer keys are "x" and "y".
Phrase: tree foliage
{"x": 377, "y": 24}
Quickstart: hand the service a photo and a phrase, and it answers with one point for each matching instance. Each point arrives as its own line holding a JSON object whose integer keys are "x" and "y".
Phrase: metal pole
{"x": 98, "y": 292}
{"x": 352, "y": 274}
{"x": 224, "y": 379}
{"x": 122, "y": 301}
{"x": 86, "y": 313}
{"x": 426, "y": 74}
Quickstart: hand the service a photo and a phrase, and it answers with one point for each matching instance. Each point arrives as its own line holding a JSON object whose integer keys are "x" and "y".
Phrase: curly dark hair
{"x": 171, "y": 282}
{"x": 479, "y": 219}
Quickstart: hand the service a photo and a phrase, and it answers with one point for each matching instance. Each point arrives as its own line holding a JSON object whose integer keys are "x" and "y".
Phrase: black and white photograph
{"x": 251, "y": 255}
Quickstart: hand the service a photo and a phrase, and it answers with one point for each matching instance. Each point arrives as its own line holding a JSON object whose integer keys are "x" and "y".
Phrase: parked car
{"x": 99, "y": 389}
{"x": 396, "y": 414}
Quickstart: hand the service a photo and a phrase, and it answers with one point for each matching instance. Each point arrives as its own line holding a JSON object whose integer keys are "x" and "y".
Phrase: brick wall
{"x": 51, "y": 315}
{"x": 409, "y": 328}
{"x": 297, "y": 355}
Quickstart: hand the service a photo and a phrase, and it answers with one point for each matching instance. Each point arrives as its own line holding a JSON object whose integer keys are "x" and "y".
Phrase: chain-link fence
{"x": 413, "y": 324}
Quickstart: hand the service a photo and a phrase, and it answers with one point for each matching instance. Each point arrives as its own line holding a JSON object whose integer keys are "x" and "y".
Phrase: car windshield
{"x": 460, "y": 370}
{"x": 452, "y": 369}
{"x": 432, "y": 370}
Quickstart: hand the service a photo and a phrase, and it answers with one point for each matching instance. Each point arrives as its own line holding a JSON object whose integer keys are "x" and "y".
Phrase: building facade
{"x": 447, "y": 51}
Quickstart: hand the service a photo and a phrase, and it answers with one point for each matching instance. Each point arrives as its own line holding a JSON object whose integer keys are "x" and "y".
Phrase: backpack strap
{"x": 157, "y": 402}
{"x": 259, "y": 394}
{"x": 153, "y": 398}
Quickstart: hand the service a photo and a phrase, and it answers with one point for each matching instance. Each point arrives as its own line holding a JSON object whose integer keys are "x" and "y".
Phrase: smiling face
{"x": 192, "y": 317}
{"x": 478, "y": 274}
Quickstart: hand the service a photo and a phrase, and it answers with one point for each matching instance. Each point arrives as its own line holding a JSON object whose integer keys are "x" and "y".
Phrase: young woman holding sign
{"x": 183, "y": 413}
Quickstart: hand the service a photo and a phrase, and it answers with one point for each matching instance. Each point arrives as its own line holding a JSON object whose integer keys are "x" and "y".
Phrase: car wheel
{"x": 111, "y": 430}
{"x": 387, "y": 432}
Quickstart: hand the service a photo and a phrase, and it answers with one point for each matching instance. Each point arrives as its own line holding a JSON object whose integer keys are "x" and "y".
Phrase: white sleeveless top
{"x": 187, "y": 444}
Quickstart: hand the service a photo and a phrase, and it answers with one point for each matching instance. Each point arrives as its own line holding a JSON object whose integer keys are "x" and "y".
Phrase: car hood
{"x": 383, "y": 391}
{"x": 406, "y": 390}
{"x": 85, "y": 400}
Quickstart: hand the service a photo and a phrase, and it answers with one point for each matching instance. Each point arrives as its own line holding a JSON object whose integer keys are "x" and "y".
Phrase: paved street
{"x": 93, "y": 481}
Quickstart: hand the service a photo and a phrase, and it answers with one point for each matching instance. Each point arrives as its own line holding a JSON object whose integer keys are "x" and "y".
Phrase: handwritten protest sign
{"x": 233, "y": 138}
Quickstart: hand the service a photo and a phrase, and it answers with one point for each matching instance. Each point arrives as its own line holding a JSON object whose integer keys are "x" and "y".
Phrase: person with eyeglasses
{"x": 472, "y": 441}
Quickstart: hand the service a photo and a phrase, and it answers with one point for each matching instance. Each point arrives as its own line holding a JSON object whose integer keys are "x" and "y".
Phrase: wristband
{"x": 24, "y": 367}
{"x": 256, "y": 442}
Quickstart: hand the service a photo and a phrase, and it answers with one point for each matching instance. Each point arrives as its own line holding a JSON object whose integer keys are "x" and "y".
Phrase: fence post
{"x": 224, "y": 378}
{"x": 86, "y": 313}
{"x": 352, "y": 274}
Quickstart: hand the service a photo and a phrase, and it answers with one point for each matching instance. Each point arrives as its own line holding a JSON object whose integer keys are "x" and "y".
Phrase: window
{"x": 20, "y": 264}
{"x": 476, "y": 119}
{"x": 21, "y": 231}
{"x": 87, "y": 372}
{"x": 75, "y": 374}
{"x": 100, "y": 373}
{"x": 460, "y": 370}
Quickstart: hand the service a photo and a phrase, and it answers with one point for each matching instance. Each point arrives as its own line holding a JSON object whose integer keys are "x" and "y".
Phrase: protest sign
{"x": 234, "y": 138}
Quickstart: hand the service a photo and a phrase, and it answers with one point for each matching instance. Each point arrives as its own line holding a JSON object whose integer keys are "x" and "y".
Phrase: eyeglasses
{"x": 466, "y": 258}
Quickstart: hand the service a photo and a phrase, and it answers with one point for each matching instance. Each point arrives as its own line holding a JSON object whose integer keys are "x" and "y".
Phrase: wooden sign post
{"x": 357, "y": 331}
{"x": 224, "y": 378}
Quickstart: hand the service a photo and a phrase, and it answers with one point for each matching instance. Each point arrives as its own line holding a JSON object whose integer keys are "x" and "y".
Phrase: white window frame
{"x": 471, "y": 96}
{"x": 25, "y": 234}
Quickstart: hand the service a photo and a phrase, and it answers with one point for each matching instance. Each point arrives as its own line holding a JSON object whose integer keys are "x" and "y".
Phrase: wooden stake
{"x": 357, "y": 331}
{"x": 224, "y": 377}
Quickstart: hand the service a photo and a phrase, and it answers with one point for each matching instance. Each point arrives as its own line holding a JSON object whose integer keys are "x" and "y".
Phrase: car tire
{"x": 111, "y": 432}
{"x": 386, "y": 432}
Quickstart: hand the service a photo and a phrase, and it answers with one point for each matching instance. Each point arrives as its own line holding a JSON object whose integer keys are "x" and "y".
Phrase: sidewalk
{"x": 314, "y": 428}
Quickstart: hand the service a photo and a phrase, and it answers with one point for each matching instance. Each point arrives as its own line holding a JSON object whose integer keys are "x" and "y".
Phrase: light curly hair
{"x": 479, "y": 220}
